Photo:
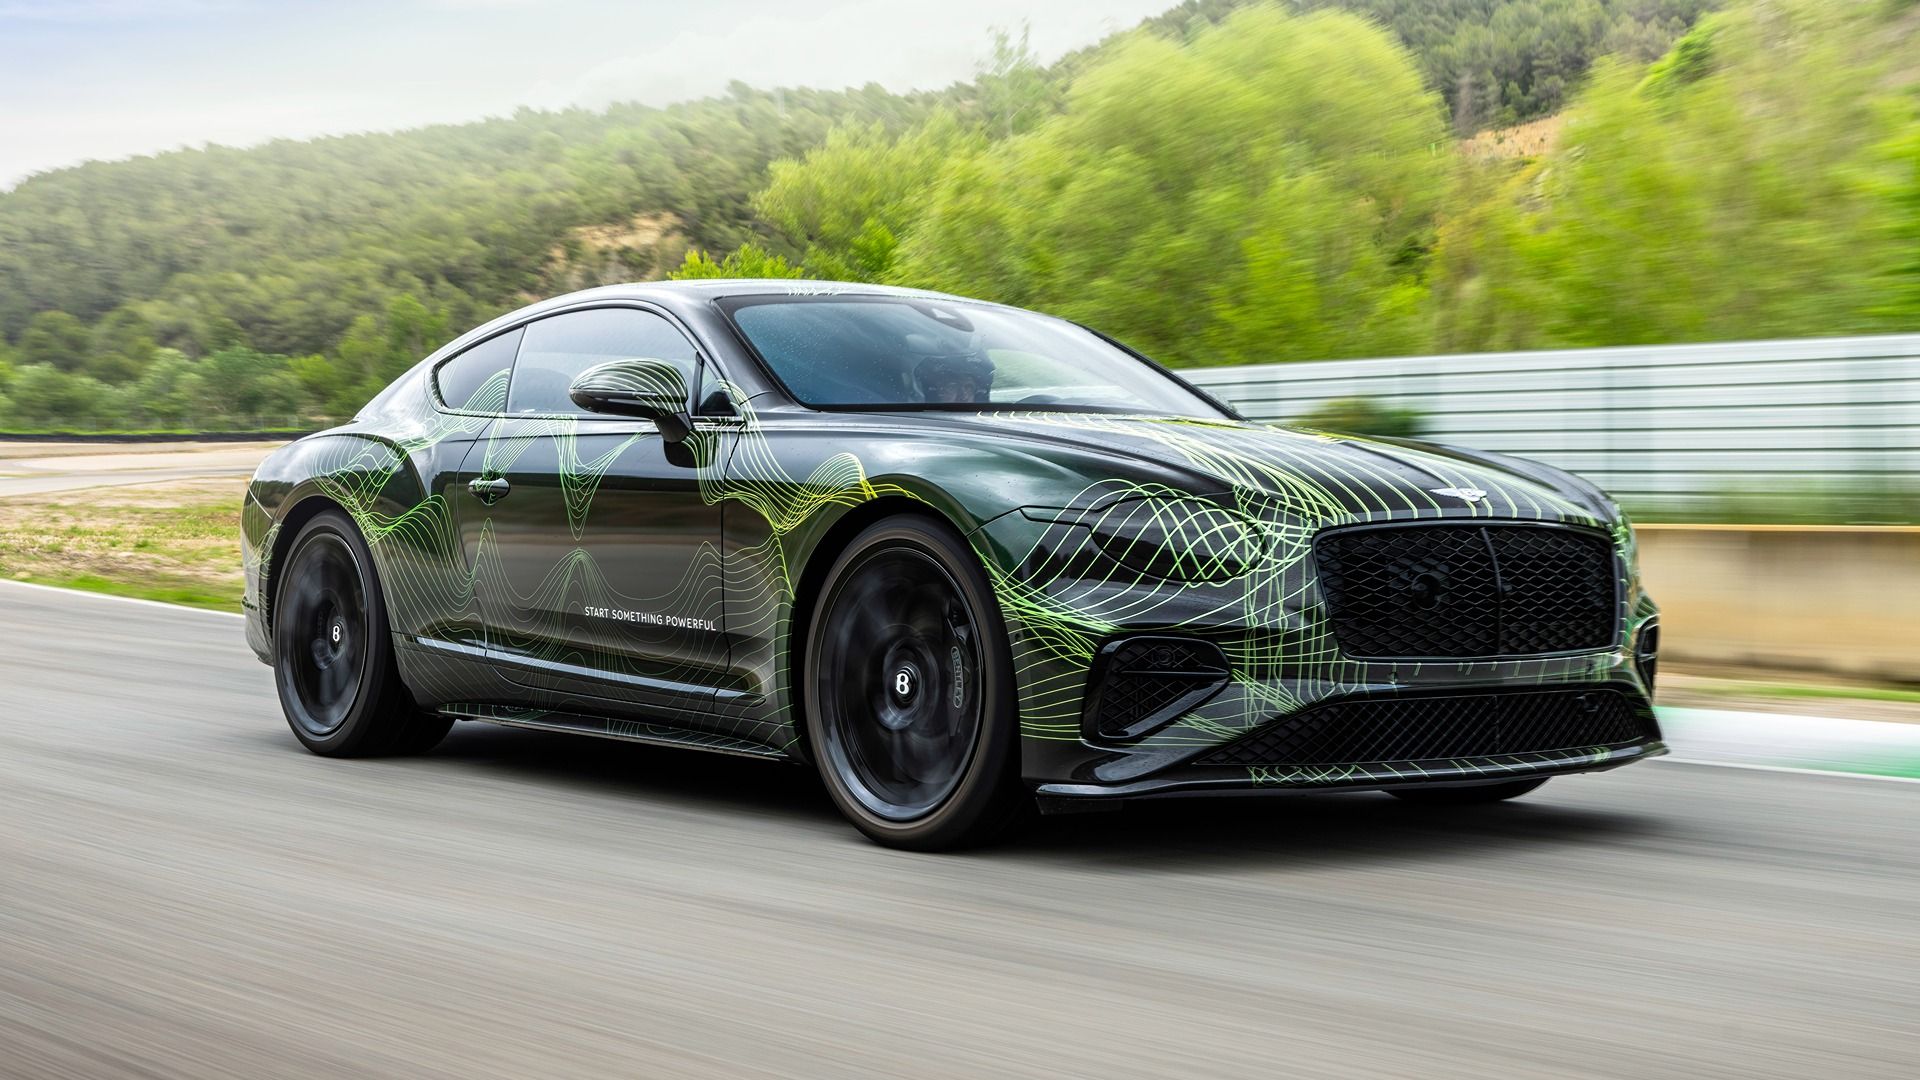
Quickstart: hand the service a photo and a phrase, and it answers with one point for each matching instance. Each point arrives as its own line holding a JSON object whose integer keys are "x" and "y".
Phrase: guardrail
{"x": 1667, "y": 429}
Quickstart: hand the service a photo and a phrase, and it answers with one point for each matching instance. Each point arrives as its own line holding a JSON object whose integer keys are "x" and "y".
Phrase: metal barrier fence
{"x": 1669, "y": 430}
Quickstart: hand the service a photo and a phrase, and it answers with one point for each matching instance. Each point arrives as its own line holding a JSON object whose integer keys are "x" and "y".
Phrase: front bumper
{"x": 1267, "y": 639}
{"x": 1369, "y": 776}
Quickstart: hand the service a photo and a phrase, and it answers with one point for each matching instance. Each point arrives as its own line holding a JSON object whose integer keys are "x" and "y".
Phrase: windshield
{"x": 908, "y": 353}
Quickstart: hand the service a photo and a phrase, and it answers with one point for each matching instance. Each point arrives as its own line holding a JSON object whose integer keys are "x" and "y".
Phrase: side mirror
{"x": 652, "y": 389}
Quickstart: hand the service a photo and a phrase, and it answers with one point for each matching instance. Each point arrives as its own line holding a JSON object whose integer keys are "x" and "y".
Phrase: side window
{"x": 476, "y": 380}
{"x": 557, "y": 349}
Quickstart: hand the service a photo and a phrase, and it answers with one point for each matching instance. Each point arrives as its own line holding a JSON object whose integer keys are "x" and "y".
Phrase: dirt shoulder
{"x": 12, "y": 450}
{"x": 42, "y": 468}
{"x": 175, "y": 540}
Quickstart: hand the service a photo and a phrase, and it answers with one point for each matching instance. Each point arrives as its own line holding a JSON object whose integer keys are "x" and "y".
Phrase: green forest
{"x": 1228, "y": 183}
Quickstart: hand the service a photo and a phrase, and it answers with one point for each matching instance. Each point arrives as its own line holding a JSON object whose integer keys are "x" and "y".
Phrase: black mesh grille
{"x": 1432, "y": 728}
{"x": 1141, "y": 683}
{"x": 1468, "y": 590}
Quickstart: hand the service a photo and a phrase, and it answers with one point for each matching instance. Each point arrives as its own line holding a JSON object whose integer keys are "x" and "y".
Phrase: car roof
{"x": 720, "y": 288}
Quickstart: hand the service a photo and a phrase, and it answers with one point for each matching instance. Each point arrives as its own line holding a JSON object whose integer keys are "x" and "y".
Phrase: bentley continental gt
{"x": 964, "y": 560}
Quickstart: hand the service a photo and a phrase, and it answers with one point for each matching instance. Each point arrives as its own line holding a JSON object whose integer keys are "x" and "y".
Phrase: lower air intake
{"x": 1143, "y": 683}
{"x": 1364, "y": 730}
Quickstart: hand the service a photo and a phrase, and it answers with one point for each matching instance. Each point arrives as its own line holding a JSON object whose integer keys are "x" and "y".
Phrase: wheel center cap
{"x": 337, "y": 634}
{"x": 905, "y": 684}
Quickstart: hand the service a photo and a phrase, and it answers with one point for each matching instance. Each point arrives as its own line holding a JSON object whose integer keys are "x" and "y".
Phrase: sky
{"x": 103, "y": 79}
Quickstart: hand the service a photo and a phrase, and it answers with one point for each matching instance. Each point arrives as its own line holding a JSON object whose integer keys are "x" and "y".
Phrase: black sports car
{"x": 959, "y": 556}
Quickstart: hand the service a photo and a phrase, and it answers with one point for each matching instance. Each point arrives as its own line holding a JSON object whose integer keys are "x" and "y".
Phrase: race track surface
{"x": 184, "y": 892}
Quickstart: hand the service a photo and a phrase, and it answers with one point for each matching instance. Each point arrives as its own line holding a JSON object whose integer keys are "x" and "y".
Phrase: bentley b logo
{"x": 1463, "y": 494}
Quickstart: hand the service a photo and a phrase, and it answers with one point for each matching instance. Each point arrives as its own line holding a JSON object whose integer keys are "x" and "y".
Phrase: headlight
{"x": 1177, "y": 539}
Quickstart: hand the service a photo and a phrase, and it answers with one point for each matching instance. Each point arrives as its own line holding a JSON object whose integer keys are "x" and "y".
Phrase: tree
{"x": 169, "y": 393}
{"x": 751, "y": 261}
{"x": 846, "y": 204}
{"x": 282, "y": 246}
{"x": 412, "y": 333}
{"x": 1495, "y": 61}
{"x": 121, "y": 346}
{"x": 56, "y": 339}
{"x": 1233, "y": 200}
{"x": 322, "y": 383}
{"x": 42, "y": 395}
{"x": 240, "y": 383}
{"x": 362, "y": 355}
{"x": 1016, "y": 93}
{"x": 1902, "y": 196}
{"x": 1364, "y": 416}
{"x": 1747, "y": 186}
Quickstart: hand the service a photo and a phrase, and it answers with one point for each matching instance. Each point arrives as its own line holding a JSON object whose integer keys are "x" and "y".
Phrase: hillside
{"x": 291, "y": 278}
{"x": 1497, "y": 63}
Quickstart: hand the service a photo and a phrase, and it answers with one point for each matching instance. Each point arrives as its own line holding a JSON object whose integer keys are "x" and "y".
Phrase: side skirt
{"x": 634, "y": 731}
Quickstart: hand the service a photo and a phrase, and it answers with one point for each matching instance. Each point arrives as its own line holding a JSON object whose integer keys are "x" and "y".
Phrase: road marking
{"x": 1670, "y": 760}
{"x": 122, "y": 599}
{"x": 1785, "y": 742}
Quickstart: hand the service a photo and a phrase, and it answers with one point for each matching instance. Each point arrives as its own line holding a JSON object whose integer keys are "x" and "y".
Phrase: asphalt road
{"x": 184, "y": 892}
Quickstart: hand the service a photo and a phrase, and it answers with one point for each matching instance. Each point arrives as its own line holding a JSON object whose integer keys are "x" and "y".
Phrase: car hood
{"x": 1295, "y": 473}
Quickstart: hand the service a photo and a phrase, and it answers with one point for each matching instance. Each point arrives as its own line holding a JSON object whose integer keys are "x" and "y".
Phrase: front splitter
{"x": 1369, "y": 776}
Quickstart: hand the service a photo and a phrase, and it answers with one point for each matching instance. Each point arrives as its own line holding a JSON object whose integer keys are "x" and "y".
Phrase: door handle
{"x": 489, "y": 491}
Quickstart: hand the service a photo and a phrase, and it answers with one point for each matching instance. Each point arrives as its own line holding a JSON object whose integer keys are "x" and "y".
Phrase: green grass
{"x": 177, "y": 543}
{"x": 1908, "y": 768}
{"x": 1893, "y": 503}
{"x": 1803, "y": 690}
{"x": 188, "y": 595}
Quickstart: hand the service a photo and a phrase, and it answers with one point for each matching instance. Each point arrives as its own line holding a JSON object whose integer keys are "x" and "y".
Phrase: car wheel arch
{"x": 806, "y": 594}
{"x": 296, "y": 517}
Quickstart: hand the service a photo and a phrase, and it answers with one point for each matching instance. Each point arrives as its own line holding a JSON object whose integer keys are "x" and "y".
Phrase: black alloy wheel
{"x": 909, "y": 697}
{"x": 333, "y": 660}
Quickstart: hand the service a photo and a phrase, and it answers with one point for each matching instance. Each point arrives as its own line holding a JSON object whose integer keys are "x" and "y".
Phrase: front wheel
{"x": 909, "y": 690}
{"x": 332, "y": 653}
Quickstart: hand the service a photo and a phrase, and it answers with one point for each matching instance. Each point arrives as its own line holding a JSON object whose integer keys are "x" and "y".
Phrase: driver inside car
{"x": 954, "y": 379}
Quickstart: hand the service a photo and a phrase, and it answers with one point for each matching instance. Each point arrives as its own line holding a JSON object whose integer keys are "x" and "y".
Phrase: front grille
{"x": 1365, "y": 730}
{"x": 1142, "y": 683}
{"x": 1457, "y": 590}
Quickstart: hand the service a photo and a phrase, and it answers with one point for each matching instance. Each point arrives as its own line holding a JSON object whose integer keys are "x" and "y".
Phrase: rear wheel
{"x": 333, "y": 655}
{"x": 909, "y": 690}
{"x": 1468, "y": 796}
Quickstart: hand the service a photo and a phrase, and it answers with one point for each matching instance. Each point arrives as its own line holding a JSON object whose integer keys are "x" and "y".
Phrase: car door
{"x": 598, "y": 560}
{"x": 429, "y": 572}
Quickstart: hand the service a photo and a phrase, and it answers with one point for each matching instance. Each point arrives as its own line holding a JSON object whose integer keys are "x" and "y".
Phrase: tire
{"x": 333, "y": 653}
{"x": 1477, "y": 795}
{"x": 908, "y": 691}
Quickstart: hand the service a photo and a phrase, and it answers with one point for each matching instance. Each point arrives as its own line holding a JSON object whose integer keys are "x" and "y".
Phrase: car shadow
{"x": 658, "y": 773}
{"x": 1303, "y": 830}
{"x": 1172, "y": 835}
